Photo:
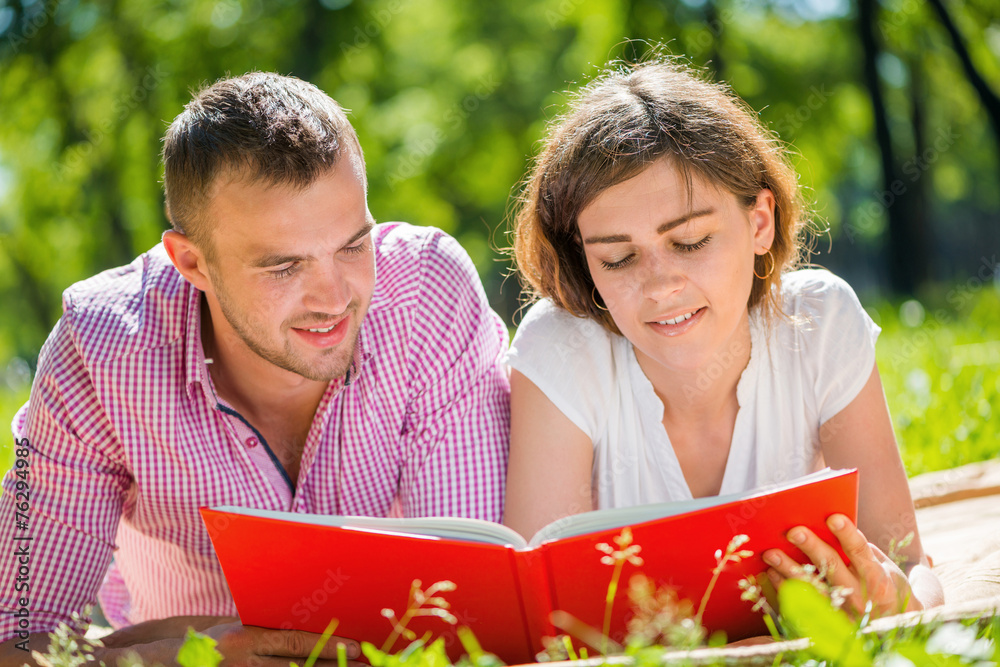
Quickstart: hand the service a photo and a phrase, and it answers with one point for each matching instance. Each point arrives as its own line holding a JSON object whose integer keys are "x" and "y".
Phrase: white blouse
{"x": 803, "y": 370}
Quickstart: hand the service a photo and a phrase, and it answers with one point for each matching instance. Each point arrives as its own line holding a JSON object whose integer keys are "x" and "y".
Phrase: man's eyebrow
{"x": 276, "y": 259}
{"x": 369, "y": 225}
{"x": 662, "y": 229}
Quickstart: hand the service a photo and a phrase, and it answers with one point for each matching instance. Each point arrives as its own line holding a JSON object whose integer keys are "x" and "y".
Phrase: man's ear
{"x": 762, "y": 221}
{"x": 188, "y": 258}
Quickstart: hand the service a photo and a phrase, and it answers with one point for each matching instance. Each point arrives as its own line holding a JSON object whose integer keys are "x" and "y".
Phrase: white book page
{"x": 486, "y": 532}
{"x": 588, "y": 522}
{"x": 455, "y": 528}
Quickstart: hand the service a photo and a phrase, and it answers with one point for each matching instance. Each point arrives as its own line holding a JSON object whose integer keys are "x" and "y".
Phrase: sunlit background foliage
{"x": 887, "y": 106}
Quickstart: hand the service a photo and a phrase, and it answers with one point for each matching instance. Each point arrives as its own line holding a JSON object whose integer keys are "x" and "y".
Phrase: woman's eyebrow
{"x": 662, "y": 229}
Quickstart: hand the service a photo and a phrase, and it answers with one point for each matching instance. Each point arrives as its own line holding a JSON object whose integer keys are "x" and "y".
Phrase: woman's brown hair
{"x": 616, "y": 126}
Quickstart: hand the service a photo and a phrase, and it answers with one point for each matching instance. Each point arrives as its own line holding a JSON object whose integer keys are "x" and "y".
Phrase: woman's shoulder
{"x": 814, "y": 296}
{"x": 826, "y": 332}
{"x": 574, "y": 361}
{"x": 547, "y": 324}
{"x": 814, "y": 282}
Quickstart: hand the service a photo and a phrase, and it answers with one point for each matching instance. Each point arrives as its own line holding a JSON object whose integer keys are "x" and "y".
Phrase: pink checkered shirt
{"x": 127, "y": 438}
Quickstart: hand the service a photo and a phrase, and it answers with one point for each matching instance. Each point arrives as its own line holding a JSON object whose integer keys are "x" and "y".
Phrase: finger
{"x": 776, "y": 578}
{"x": 852, "y": 540}
{"x": 824, "y": 556}
{"x": 782, "y": 565}
{"x": 861, "y": 553}
{"x": 880, "y": 579}
{"x": 299, "y": 644}
{"x": 273, "y": 661}
{"x": 831, "y": 567}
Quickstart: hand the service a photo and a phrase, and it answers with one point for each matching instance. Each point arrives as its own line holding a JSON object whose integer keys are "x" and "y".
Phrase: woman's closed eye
{"x": 618, "y": 264}
{"x": 682, "y": 247}
{"x": 691, "y": 247}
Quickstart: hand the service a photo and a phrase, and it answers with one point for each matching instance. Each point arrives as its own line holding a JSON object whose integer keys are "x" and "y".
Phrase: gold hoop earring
{"x": 769, "y": 271}
{"x": 593, "y": 297}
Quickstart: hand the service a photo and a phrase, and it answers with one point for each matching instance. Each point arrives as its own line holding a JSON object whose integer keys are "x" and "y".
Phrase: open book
{"x": 297, "y": 571}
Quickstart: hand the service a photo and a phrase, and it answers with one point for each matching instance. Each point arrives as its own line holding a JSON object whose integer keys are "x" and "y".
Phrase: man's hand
{"x": 241, "y": 646}
{"x": 871, "y": 576}
{"x": 165, "y": 628}
{"x": 260, "y": 647}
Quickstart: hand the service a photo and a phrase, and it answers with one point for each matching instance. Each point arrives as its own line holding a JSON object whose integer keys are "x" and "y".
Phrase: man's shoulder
{"x": 121, "y": 310}
{"x": 411, "y": 260}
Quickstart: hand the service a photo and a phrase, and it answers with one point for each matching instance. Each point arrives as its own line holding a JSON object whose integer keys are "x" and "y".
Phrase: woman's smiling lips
{"x": 325, "y": 335}
{"x": 679, "y": 323}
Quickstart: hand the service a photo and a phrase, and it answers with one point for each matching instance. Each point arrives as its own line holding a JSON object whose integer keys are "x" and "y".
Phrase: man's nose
{"x": 328, "y": 292}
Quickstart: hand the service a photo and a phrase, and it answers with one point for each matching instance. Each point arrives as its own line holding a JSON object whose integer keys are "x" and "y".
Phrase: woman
{"x": 674, "y": 352}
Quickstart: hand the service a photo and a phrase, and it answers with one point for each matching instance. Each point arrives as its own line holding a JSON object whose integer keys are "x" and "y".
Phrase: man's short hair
{"x": 259, "y": 127}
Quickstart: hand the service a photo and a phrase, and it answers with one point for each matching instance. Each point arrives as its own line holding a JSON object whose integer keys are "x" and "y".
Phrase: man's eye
{"x": 355, "y": 249}
{"x": 283, "y": 273}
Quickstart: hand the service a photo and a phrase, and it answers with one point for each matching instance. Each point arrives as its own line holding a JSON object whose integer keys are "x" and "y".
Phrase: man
{"x": 278, "y": 350}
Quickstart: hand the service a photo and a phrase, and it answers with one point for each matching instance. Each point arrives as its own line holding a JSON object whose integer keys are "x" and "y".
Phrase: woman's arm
{"x": 549, "y": 473}
{"x": 861, "y": 436}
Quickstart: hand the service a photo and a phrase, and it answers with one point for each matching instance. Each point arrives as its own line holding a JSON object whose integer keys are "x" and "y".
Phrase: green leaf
{"x": 435, "y": 656}
{"x": 916, "y": 652}
{"x": 321, "y": 642}
{"x": 811, "y": 614}
{"x": 376, "y": 658}
{"x": 198, "y": 650}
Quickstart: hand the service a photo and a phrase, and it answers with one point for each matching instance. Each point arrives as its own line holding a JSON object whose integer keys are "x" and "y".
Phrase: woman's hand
{"x": 871, "y": 576}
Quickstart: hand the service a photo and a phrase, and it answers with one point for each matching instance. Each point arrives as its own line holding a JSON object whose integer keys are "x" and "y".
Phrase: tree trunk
{"x": 309, "y": 53}
{"x": 914, "y": 199}
{"x": 715, "y": 26}
{"x": 989, "y": 99}
{"x": 906, "y": 257}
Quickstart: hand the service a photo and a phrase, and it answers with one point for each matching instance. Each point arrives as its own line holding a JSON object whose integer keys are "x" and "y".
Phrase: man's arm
{"x": 457, "y": 424}
{"x": 62, "y": 501}
{"x": 158, "y": 642}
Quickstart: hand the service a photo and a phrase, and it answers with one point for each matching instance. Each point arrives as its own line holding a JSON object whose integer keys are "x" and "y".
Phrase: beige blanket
{"x": 962, "y": 534}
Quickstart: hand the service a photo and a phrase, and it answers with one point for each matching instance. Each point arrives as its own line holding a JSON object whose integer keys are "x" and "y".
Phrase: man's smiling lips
{"x": 677, "y": 323}
{"x": 324, "y": 334}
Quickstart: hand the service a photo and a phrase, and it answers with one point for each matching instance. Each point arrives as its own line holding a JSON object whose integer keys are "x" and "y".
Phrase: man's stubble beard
{"x": 287, "y": 359}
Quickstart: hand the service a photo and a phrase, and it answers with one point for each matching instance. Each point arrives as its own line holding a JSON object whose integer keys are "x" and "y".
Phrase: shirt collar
{"x": 195, "y": 370}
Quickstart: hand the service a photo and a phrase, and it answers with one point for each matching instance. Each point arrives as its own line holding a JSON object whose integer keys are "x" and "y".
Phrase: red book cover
{"x": 291, "y": 571}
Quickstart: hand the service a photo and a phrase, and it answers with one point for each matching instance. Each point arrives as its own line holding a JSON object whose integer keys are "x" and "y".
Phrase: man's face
{"x": 292, "y": 271}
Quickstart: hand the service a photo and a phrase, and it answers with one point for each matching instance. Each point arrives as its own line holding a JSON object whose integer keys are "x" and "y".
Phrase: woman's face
{"x": 674, "y": 267}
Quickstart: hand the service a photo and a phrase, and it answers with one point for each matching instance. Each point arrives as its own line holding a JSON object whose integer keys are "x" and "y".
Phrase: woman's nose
{"x": 661, "y": 278}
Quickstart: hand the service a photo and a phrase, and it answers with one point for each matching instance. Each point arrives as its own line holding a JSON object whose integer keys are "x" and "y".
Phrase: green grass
{"x": 10, "y": 402}
{"x": 941, "y": 375}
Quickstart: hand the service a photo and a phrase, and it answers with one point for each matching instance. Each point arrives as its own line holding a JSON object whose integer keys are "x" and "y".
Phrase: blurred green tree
{"x": 450, "y": 99}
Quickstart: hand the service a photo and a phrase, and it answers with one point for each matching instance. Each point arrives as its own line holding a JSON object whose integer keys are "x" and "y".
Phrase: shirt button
{"x": 252, "y": 442}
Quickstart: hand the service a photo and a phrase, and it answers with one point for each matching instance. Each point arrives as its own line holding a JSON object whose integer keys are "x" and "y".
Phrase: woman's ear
{"x": 762, "y": 221}
{"x": 188, "y": 258}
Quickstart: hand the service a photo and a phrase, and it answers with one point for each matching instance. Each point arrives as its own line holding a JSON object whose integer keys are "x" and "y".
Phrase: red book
{"x": 298, "y": 571}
